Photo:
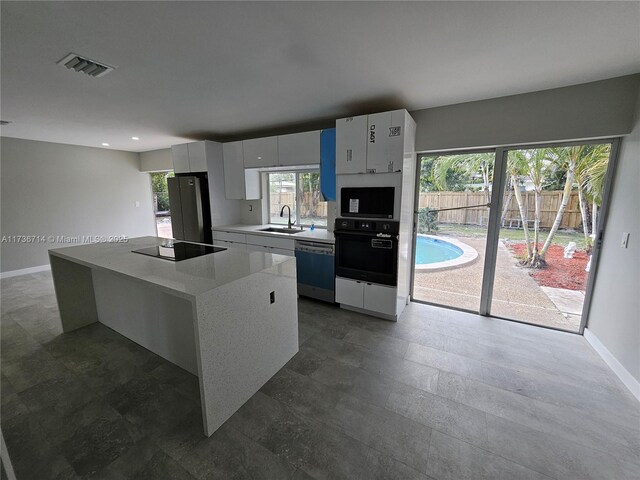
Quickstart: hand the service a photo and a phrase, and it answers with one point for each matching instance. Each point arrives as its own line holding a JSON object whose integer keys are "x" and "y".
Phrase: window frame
{"x": 298, "y": 195}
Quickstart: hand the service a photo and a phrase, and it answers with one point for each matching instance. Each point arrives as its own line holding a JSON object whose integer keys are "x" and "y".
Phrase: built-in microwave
{"x": 367, "y": 202}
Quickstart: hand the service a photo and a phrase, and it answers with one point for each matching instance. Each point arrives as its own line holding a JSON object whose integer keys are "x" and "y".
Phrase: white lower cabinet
{"x": 380, "y": 298}
{"x": 255, "y": 243}
{"x": 369, "y": 296}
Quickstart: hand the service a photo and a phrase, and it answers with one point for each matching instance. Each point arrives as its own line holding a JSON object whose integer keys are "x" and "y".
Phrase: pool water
{"x": 432, "y": 250}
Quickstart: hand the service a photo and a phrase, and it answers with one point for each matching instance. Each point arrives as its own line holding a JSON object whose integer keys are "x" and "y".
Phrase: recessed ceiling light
{"x": 135, "y": 138}
{"x": 105, "y": 144}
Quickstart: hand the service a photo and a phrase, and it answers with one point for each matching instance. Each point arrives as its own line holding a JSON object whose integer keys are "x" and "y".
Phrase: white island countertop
{"x": 229, "y": 317}
{"x": 317, "y": 235}
{"x": 186, "y": 278}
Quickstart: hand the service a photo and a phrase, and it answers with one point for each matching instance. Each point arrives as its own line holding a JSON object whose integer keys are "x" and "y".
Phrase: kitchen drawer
{"x": 282, "y": 251}
{"x": 230, "y": 236}
{"x": 271, "y": 241}
{"x": 235, "y": 245}
{"x": 379, "y": 298}
{"x": 350, "y": 292}
{"x": 256, "y": 248}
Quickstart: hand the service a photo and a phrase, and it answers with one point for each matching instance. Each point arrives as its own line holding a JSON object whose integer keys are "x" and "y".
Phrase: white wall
{"x": 55, "y": 189}
{"x": 156, "y": 160}
{"x": 615, "y": 310}
{"x": 595, "y": 109}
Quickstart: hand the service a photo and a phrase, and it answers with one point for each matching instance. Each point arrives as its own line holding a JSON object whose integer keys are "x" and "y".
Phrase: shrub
{"x": 427, "y": 220}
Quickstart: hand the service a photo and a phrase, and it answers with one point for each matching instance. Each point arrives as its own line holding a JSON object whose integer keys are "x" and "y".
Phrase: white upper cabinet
{"x": 180, "y": 154}
{"x": 385, "y": 141}
{"x": 190, "y": 157}
{"x": 351, "y": 145}
{"x": 374, "y": 143}
{"x": 197, "y": 156}
{"x": 260, "y": 152}
{"x": 239, "y": 184}
{"x": 299, "y": 149}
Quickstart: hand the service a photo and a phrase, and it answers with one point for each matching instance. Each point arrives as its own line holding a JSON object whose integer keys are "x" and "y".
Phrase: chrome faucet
{"x": 290, "y": 224}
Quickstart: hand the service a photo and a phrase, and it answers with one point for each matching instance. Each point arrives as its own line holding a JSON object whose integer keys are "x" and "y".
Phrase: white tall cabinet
{"x": 351, "y": 145}
{"x": 378, "y": 150}
{"x": 372, "y": 143}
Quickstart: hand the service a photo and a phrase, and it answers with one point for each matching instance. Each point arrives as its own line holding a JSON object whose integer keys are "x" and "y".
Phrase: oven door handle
{"x": 367, "y": 234}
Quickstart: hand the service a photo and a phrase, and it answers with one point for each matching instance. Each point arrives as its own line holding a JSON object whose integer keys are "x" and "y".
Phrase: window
{"x": 299, "y": 190}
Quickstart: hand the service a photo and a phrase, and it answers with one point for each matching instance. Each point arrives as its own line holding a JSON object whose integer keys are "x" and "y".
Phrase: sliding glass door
{"x": 454, "y": 192}
{"x": 549, "y": 219}
{"x": 525, "y": 254}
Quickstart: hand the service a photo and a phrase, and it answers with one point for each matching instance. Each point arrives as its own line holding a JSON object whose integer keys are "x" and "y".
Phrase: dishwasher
{"x": 316, "y": 270}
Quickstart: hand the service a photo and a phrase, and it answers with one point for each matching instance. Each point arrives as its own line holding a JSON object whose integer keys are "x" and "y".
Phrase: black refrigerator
{"x": 189, "y": 206}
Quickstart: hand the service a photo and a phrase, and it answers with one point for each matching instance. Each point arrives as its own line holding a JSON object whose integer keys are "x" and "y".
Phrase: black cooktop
{"x": 179, "y": 251}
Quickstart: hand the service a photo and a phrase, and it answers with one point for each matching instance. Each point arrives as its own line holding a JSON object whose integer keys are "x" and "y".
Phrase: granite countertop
{"x": 317, "y": 235}
{"x": 187, "y": 278}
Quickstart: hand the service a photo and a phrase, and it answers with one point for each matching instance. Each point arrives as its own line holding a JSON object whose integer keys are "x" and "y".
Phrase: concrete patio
{"x": 515, "y": 294}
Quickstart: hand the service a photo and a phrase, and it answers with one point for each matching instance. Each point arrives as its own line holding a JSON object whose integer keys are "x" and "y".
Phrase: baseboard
{"x": 623, "y": 374}
{"x": 25, "y": 271}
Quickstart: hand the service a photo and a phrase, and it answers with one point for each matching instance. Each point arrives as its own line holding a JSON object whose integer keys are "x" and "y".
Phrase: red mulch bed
{"x": 561, "y": 272}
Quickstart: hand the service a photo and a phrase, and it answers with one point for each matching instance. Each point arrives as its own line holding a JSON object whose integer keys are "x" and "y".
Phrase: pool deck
{"x": 515, "y": 294}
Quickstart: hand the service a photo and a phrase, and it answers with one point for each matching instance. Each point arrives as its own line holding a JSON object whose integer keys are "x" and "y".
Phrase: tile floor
{"x": 439, "y": 395}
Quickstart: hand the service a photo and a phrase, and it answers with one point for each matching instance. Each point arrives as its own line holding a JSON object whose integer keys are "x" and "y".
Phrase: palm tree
{"x": 564, "y": 157}
{"x": 471, "y": 163}
{"x": 537, "y": 164}
{"x": 594, "y": 178}
{"x": 516, "y": 168}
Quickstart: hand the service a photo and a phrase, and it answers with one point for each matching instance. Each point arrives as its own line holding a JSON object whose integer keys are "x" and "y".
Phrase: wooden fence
{"x": 288, "y": 198}
{"x": 479, "y": 215}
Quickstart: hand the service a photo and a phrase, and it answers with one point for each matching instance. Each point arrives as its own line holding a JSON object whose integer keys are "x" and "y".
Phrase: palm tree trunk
{"x": 536, "y": 260}
{"x": 523, "y": 215}
{"x": 584, "y": 210}
{"x": 505, "y": 207}
{"x": 566, "y": 195}
{"x": 594, "y": 218}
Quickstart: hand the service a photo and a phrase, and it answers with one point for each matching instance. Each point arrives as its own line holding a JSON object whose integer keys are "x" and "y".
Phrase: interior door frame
{"x": 493, "y": 230}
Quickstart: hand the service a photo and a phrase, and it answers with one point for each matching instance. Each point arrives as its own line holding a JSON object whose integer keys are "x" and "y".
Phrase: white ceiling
{"x": 221, "y": 70}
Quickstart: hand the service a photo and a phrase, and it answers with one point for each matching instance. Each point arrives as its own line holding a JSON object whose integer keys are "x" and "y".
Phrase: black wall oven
{"x": 367, "y": 250}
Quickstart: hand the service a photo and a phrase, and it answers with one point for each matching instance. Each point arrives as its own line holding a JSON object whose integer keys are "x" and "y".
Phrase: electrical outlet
{"x": 625, "y": 240}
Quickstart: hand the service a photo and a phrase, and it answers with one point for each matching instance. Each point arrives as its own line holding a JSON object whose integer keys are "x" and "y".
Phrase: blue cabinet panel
{"x": 328, "y": 164}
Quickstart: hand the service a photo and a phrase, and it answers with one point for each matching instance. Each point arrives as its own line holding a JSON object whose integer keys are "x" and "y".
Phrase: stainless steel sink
{"x": 290, "y": 231}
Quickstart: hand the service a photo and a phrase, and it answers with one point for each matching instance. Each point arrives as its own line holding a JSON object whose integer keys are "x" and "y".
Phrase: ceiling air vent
{"x": 85, "y": 65}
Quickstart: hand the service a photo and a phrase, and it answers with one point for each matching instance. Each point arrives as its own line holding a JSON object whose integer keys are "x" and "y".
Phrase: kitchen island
{"x": 228, "y": 317}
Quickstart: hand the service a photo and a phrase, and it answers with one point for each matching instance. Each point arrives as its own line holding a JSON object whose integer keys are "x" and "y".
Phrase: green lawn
{"x": 562, "y": 237}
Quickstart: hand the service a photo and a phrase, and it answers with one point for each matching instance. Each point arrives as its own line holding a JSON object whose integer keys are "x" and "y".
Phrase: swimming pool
{"x": 432, "y": 250}
{"x": 433, "y": 253}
